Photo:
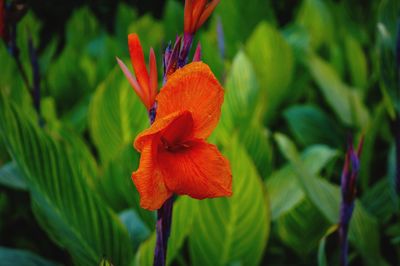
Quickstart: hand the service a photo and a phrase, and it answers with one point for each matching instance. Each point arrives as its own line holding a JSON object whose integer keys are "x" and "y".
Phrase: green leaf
{"x": 357, "y": 62}
{"x": 310, "y": 125}
{"x": 363, "y": 233}
{"x": 63, "y": 202}
{"x": 239, "y": 18}
{"x": 387, "y": 38}
{"x": 11, "y": 176}
{"x": 380, "y": 200}
{"x": 125, "y": 14}
{"x": 116, "y": 116}
{"x": 82, "y": 27}
{"x": 235, "y": 229}
{"x": 315, "y": 16}
{"x": 283, "y": 187}
{"x": 173, "y": 19}
{"x": 346, "y": 102}
{"x": 241, "y": 113}
{"x": 242, "y": 91}
{"x": 297, "y": 228}
{"x": 12, "y": 257}
{"x": 183, "y": 216}
{"x": 272, "y": 58}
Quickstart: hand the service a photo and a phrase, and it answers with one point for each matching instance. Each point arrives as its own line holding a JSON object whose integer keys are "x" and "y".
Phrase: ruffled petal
{"x": 176, "y": 126}
{"x": 148, "y": 179}
{"x": 199, "y": 171}
{"x": 193, "y": 88}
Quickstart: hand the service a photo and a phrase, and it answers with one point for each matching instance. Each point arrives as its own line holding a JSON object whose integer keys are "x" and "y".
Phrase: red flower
{"x": 145, "y": 85}
{"x": 196, "y": 13}
{"x": 175, "y": 158}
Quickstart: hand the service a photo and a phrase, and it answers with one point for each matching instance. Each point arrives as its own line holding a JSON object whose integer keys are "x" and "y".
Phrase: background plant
{"x": 299, "y": 77}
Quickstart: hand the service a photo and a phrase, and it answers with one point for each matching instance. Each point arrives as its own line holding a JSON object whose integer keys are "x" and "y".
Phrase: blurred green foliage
{"x": 298, "y": 80}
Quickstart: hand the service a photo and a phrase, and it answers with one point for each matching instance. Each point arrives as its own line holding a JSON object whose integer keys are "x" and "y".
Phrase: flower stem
{"x": 346, "y": 210}
{"x": 163, "y": 229}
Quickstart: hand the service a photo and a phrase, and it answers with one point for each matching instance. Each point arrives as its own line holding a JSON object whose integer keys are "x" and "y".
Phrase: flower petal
{"x": 176, "y": 125}
{"x": 132, "y": 80}
{"x": 193, "y": 88}
{"x": 153, "y": 76}
{"x": 138, "y": 63}
{"x": 188, "y": 15}
{"x": 148, "y": 179}
{"x": 199, "y": 171}
{"x": 207, "y": 12}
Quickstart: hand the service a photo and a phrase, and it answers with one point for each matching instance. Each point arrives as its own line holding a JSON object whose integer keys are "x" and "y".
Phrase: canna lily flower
{"x": 196, "y": 13}
{"x": 145, "y": 84}
{"x": 175, "y": 158}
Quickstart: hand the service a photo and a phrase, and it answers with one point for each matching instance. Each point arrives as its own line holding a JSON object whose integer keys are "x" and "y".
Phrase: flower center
{"x": 173, "y": 147}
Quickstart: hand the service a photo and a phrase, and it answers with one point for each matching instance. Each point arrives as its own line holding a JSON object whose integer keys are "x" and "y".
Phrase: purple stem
{"x": 348, "y": 188}
{"x": 163, "y": 230}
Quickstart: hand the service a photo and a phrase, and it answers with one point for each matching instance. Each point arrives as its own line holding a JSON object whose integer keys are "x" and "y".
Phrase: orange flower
{"x": 144, "y": 85}
{"x": 175, "y": 158}
{"x": 196, "y": 13}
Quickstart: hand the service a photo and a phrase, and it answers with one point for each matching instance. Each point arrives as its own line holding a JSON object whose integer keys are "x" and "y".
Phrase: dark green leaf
{"x": 310, "y": 125}
{"x": 63, "y": 202}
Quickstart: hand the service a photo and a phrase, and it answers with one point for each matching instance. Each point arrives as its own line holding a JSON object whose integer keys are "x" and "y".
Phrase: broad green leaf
{"x": 116, "y": 116}
{"x": 183, "y": 216}
{"x": 310, "y": 125}
{"x": 66, "y": 78}
{"x": 357, "y": 63}
{"x": 272, "y": 58}
{"x": 13, "y": 257}
{"x": 283, "y": 187}
{"x": 125, "y": 15}
{"x": 82, "y": 27}
{"x": 173, "y": 19}
{"x": 240, "y": 113}
{"x": 239, "y": 18}
{"x": 242, "y": 91}
{"x": 345, "y": 101}
{"x": 63, "y": 202}
{"x": 363, "y": 233}
{"x": 297, "y": 228}
{"x": 380, "y": 200}
{"x": 234, "y": 229}
{"x": 387, "y": 30}
{"x": 11, "y": 176}
{"x": 315, "y": 16}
